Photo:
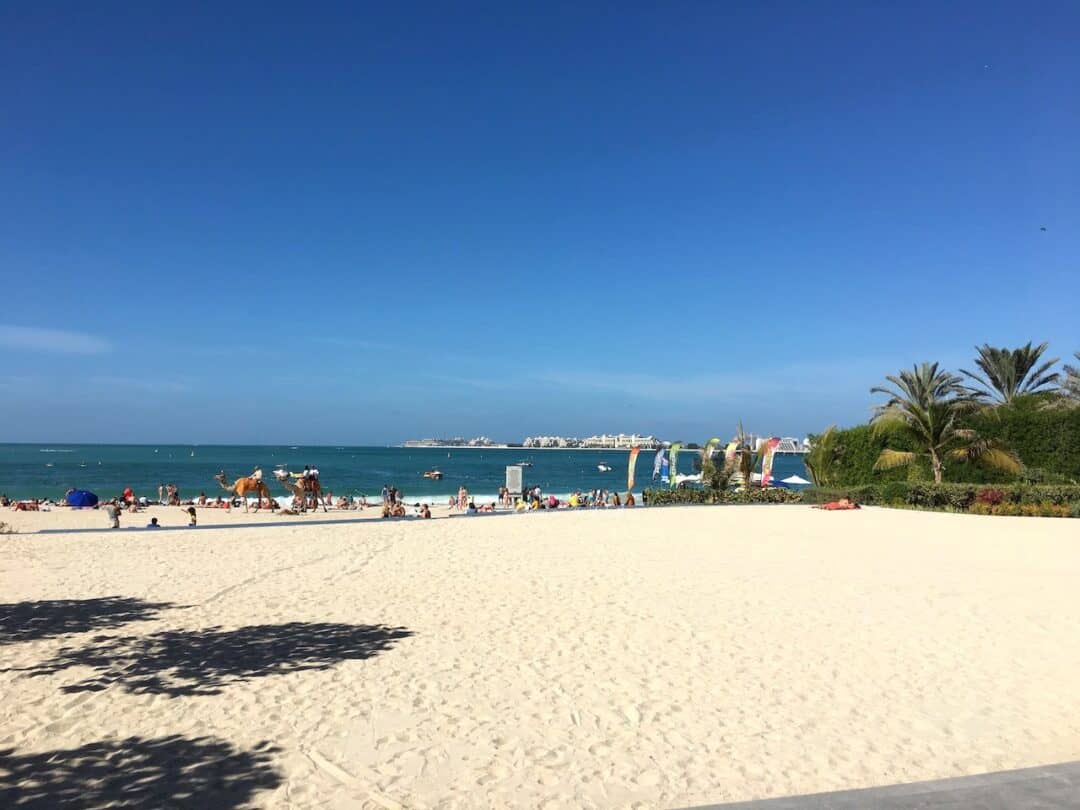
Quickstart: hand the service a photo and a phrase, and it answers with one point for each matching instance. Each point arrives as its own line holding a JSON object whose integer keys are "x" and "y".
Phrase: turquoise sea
{"x": 49, "y": 470}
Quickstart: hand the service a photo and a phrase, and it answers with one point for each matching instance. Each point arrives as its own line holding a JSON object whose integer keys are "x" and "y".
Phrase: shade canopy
{"x": 80, "y": 497}
{"x": 795, "y": 479}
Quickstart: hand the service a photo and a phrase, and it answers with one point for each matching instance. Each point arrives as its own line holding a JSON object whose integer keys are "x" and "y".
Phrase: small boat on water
{"x": 524, "y": 463}
{"x": 603, "y": 467}
{"x": 434, "y": 475}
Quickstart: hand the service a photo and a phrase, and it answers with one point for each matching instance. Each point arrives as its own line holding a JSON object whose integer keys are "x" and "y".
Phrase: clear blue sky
{"x": 325, "y": 223}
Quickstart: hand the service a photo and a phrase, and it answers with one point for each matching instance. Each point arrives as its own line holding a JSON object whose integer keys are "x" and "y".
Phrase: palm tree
{"x": 1008, "y": 374}
{"x": 925, "y": 406}
{"x": 717, "y": 474}
{"x": 1070, "y": 386}
{"x": 823, "y": 457}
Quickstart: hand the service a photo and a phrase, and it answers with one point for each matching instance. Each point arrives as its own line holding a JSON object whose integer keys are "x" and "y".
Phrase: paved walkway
{"x": 1049, "y": 787}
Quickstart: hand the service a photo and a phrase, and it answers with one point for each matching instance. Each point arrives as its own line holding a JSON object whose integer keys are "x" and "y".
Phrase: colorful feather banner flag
{"x": 767, "y": 461}
{"x": 674, "y": 461}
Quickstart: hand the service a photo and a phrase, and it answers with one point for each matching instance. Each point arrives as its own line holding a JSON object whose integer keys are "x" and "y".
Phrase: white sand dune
{"x": 652, "y": 658}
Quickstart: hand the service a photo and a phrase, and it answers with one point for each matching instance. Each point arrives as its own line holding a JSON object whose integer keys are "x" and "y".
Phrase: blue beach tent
{"x": 80, "y": 497}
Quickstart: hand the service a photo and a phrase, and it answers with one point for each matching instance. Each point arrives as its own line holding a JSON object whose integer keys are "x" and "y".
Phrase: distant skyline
{"x": 352, "y": 227}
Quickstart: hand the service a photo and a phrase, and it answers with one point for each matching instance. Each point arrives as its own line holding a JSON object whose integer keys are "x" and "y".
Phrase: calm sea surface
{"x": 49, "y": 470}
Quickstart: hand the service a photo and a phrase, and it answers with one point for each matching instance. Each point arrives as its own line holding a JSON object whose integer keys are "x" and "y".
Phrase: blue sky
{"x": 339, "y": 224}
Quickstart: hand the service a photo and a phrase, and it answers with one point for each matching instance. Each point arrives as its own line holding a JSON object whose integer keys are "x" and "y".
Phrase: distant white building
{"x": 620, "y": 441}
{"x": 603, "y": 441}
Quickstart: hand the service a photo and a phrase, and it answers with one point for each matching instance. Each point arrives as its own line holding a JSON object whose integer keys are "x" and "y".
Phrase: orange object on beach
{"x": 841, "y": 505}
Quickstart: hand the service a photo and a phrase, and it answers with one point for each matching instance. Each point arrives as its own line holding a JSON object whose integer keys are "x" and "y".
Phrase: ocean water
{"x": 49, "y": 470}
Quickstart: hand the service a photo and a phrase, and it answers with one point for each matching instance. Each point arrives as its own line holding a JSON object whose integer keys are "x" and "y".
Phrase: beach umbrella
{"x": 80, "y": 497}
{"x": 795, "y": 479}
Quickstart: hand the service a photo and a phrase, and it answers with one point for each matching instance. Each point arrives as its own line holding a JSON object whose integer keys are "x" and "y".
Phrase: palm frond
{"x": 1001, "y": 459}
{"x": 890, "y": 459}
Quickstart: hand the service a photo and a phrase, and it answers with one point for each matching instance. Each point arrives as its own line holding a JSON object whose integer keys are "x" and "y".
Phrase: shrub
{"x": 682, "y": 495}
{"x": 893, "y": 492}
{"x": 1001, "y": 499}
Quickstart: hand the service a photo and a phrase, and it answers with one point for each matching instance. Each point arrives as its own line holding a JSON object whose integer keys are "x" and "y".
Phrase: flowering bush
{"x": 990, "y": 497}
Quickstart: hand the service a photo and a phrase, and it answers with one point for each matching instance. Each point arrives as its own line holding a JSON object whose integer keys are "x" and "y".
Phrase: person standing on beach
{"x": 385, "y": 494}
{"x": 161, "y": 493}
{"x": 112, "y": 511}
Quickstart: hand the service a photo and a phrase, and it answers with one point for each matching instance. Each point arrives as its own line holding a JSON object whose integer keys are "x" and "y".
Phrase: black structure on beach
{"x": 205, "y": 773}
{"x": 1047, "y": 787}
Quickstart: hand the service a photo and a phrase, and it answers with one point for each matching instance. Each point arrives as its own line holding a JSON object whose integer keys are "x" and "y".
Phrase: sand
{"x": 627, "y": 658}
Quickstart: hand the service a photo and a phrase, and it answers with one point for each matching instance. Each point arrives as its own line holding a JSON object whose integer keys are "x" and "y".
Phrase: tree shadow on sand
{"x": 30, "y": 621}
{"x": 165, "y": 772}
{"x": 202, "y": 662}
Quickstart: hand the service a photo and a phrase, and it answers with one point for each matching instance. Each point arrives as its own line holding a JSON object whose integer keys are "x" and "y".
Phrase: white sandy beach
{"x": 627, "y": 658}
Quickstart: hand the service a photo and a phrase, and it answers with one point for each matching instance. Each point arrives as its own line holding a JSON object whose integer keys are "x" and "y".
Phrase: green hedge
{"x": 667, "y": 497}
{"x": 1047, "y": 439}
{"x": 959, "y": 497}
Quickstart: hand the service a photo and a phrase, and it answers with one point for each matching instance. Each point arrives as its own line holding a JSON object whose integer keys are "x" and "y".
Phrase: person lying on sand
{"x": 837, "y": 506}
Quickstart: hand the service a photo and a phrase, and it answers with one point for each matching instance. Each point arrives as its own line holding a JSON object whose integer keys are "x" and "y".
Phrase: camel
{"x": 310, "y": 486}
{"x": 242, "y": 486}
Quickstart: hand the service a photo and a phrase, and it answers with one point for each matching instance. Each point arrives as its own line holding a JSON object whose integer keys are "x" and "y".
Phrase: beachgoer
{"x": 386, "y": 509}
{"x": 424, "y": 511}
{"x": 472, "y": 508}
{"x": 161, "y": 493}
{"x": 841, "y": 505}
{"x": 128, "y": 495}
{"x": 398, "y": 510}
{"x": 192, "y": 520}
{"x": 112, "y": 511}
{"x": 629, "y": 500}
{"x": 257, "y": 474}
{"x": 615, "y": 499}
{"x": 385, "y": 494}
{"x": 153, "y": 524}
{"x": 463, "y": 498}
